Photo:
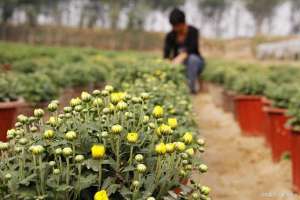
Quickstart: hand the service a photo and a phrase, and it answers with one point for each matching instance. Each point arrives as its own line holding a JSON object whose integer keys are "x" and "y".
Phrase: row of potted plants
{"x": 34, "y": 75}
{"x": 133, "y": 140}
{"x": 265, "y": 102}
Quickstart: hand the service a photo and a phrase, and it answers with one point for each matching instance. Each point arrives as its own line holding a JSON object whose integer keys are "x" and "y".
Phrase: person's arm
{"x": 180, "y": 58}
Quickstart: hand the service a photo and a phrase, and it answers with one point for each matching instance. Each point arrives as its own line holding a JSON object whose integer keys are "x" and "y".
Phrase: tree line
{"x": 109, "y": 11}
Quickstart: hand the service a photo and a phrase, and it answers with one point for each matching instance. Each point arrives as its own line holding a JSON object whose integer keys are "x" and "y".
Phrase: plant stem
{"x": 118, "y": 154}
{"x": 100, "y": 174}
{"x": 68, "y": 171}
{"x": 42, "y": 175}
{"x": 36, "y": 172}
{"x": 131, "y": 155}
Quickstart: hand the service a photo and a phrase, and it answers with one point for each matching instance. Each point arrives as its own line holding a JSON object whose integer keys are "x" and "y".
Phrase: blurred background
{"x": 228, "y": 27}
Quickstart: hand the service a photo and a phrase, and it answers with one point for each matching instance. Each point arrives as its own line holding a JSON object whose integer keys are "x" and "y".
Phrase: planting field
{"x": 79, "y": 123}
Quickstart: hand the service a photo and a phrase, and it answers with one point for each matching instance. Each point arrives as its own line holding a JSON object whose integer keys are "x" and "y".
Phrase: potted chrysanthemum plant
{"x": 104, "y": 145}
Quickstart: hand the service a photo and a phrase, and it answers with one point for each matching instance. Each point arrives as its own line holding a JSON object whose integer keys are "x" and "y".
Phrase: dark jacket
{"x": 190, "y": 45}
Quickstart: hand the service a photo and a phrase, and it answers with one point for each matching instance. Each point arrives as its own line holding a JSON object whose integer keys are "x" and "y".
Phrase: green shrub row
{"x": 42, "y": 72}
{"x": 279, "y": 83}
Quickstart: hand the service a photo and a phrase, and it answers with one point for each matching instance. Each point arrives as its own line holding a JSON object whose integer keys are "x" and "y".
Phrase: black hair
{"x": 177, "y": 17}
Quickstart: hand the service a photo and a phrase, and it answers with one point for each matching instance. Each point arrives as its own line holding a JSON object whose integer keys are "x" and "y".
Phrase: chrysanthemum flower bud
{"x": 139, "y": 158}
{"x": 4, "y": 146}
{"x": 170, "y": 147}
{"x": 96, "y": 92}
{"x": 78, "y": 108}
{"x": 190, "y": 151}
{"x": 75, "y": 102}
{"x": 79, "y": 158}
{"x": 187, "y": 137}
{"x": 136, "y": 100}
{"x": 56, "y": 171}
{"x": 146, "y": 119}
{"x": 188, "y": 167}
{"x": 98, "y": 102}
{"x": 52, "y": 163}
{"x": 33, "y": 129}
{"x": 136, "y": 183}
{"x": 185, "y": 162}
{"x": 165, "y": 129}
{"x": 180, "y": 146}
{"x": 122, "y": 105}
{"x": 38, "y": 113}
{"x": 58, "y": 151}
{"x": 68, "y": 109}
{"x": 68, "y": 115}
{"x": 128, "y": 115}
{"x": 145, "y": 108}
{"x": 152, "y": 125}
{"x": 145, "y": 96}
{"x": 182, "y": 173}
{"x": 172, "y": 122}
{"x": 112, "y": 108}
{"x": 205, "y": 190}
{"x": 71, "y": 135}
{"x": 37, "y": 149}
{"x": 132, "y": 137}
{"x": 23, "y": 141}
{"x": 109, "y": 88}
{"x": 201, "y": 142}
{"x": 203, "y": 168}
{"x": 98, "y": 151}
{"x": 115, "y": 98}
{"x": 104, "y": 134}
{"x": 150, "y": 198}
{"x": 67, "y": 151}
{"x": 161, "y": 149}
{"x": 8, "y": 176}
{"x": 48, "y": 134}
{"x": 22, "y": 118}
{"x": 195, "y": 195}
{"x": 52, "y": 107}
{"x": 141, "y": 168}
{"x": 106, "y": 110}
{"x": 11, "y": 134}
{"x": 104, "y": 93}
{"x": 158, "y": 112}
{"x": 201, "y": 149}
{"x": 116, "y": 129}
{"x": 86, "y": 97}
{"x": 53, "y": 121}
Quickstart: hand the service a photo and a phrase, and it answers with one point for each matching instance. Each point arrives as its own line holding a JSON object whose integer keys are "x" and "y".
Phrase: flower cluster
{"x": 137, "y": 144}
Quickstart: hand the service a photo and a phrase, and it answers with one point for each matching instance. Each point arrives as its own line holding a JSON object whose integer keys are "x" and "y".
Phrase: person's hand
{"x": 179, "y": 59}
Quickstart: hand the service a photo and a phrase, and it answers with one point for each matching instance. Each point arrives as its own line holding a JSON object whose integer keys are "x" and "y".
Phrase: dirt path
{"x": 240, "y": 168}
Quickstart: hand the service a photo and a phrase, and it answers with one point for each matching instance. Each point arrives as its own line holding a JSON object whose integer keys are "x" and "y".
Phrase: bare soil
{"x": 240, "y": 168}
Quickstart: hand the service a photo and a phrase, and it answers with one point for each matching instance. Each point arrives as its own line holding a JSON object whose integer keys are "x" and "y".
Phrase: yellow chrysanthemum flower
{"x": 158, "y": 111}
{"x": 116, "y": 97}
{"x": 172, "y": 122}
{"x": 101, "y": 195}
{"x": 170, "y": 147}
{"x": 165, "y": 129}
{"x": 132, "y": 137}
{"x": 187, "y": 137}
{"x": 98, "y": 151}
{"x": 161, "y": 148}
